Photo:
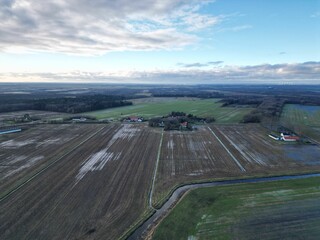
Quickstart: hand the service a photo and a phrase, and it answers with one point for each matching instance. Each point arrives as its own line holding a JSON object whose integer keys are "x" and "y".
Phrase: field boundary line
{"x": 224, "y": 146}
{"x": 47, "y": 167}
{"x": 155, "y": 172}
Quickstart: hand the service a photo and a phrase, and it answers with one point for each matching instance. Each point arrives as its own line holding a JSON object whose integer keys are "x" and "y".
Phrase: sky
{"x": 160, "y": 41}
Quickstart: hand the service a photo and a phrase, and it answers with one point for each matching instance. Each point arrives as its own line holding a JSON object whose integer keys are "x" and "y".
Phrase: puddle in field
{"x": 305, "y": 154}
{"x": 309, "y": 109}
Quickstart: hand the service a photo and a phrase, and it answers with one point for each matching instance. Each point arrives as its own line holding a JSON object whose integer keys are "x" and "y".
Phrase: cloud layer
{"x": 98, "y": 26}
{"x": 298, "y": 73}
{"x": 197, "y": 64}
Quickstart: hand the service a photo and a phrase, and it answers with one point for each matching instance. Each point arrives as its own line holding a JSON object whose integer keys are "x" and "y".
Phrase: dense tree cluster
{"x": 252, "y": 118}
{"x": 68, "y": 105}
{"x": 241, "y": 101}
{"x": 178, "y": 121}
{"x": 202, "y": 95}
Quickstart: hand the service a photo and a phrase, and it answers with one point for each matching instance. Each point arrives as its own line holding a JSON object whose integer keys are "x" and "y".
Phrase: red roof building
{"x": 184, "y": 124}
{"x": 289, "y": 138}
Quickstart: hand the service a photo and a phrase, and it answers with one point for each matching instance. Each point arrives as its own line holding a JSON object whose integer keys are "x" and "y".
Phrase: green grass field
{"x": 300, "y": 114}
{"x": 276, "y": 210}
{"x": 304, "y": 120}
{"x": 153, "y": 107}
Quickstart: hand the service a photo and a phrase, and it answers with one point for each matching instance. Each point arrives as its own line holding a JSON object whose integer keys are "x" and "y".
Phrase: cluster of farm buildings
{"x": 133, "y": 119}
{"x": 285, "y": 137}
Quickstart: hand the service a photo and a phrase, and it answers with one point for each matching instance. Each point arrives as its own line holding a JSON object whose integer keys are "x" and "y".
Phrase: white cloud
{"x": 199, "y": 65}
{"x": 298, "y": 73}
{"x": 98, "y": 26}
{"x": 235, "y": 28}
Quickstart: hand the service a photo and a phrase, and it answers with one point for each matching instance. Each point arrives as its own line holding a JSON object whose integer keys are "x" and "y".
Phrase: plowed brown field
{"x": 23, "y": 154}
{"x": 87, "y": 181}
{"x": 97, "y": 191}
{"x": 220, "y": 151}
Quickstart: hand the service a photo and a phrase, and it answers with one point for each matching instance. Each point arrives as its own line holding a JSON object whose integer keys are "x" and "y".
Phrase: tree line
{"x": 76, "y": 104}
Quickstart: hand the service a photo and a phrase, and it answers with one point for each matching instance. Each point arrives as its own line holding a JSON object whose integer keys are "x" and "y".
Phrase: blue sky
{"x": 168, "y": 41}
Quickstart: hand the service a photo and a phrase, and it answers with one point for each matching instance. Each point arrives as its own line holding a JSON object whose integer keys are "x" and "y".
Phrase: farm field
{"x": 275, "y": 210}
{"x": 25, "y": 153}
{"x": 300, "y": 114}
{"x": 221, "y": 151}
{"x": 153, "y": 107}
{"x": 97, "y": 178}
{"x": 96, "y": 191}
{"x": 304, "y": 120}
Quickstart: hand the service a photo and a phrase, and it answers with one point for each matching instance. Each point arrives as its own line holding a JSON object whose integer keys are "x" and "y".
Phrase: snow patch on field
{"x": 127, "y": 132}
{"x": 29, "y": 163}
{"x": 194, "y": 145}
{"x": 98, "y": 160}
{"x": 16, "y": 144}
{"x": 196, "y": 173}
{"x": 170, "y": 144}
{"x": 15, "y": 159}
{"x": 52, "y": 141}
{"x": 94, "y": 163}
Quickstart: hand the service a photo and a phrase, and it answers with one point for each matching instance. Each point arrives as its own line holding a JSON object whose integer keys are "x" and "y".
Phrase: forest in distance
{"x": 67, "y": 138}
{"x": 268, "y": 100}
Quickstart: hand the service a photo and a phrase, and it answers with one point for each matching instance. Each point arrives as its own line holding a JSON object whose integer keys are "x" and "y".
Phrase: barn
{"x": 289, "y": 138}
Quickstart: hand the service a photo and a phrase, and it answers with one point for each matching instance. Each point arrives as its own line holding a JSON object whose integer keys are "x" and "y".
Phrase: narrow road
{"x": 178, "y": 193}
{"x": 155, "y": 172}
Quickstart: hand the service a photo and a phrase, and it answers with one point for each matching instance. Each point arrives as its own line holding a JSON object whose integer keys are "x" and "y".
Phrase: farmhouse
{"x": 184, "y": 124}
{"x": 274, "y": 137}
{"x": 289, "y": 138}
{"x": 134, "y": 119}
{"x": 161, "y": 124}
{"x": 81, "y": 119}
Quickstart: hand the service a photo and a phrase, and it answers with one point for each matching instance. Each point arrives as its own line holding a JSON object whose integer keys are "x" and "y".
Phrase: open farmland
{"x": 97, "y": 178}
{"x": 301, "y": 114}
{"x": 23, "y": 154}
{"x": 221, "y": 151}
{"x": 153, "y": 107}
{"x": 304, "y": 120}
{"x": 43, "y": 115}
{"x": 96, "y": 191}
{"x": 274, "y": 210}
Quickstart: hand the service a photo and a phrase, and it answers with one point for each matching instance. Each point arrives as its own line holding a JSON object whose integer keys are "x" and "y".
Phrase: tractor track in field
{"x": 155, "y": 172}
{"x": 228, "y": 151}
